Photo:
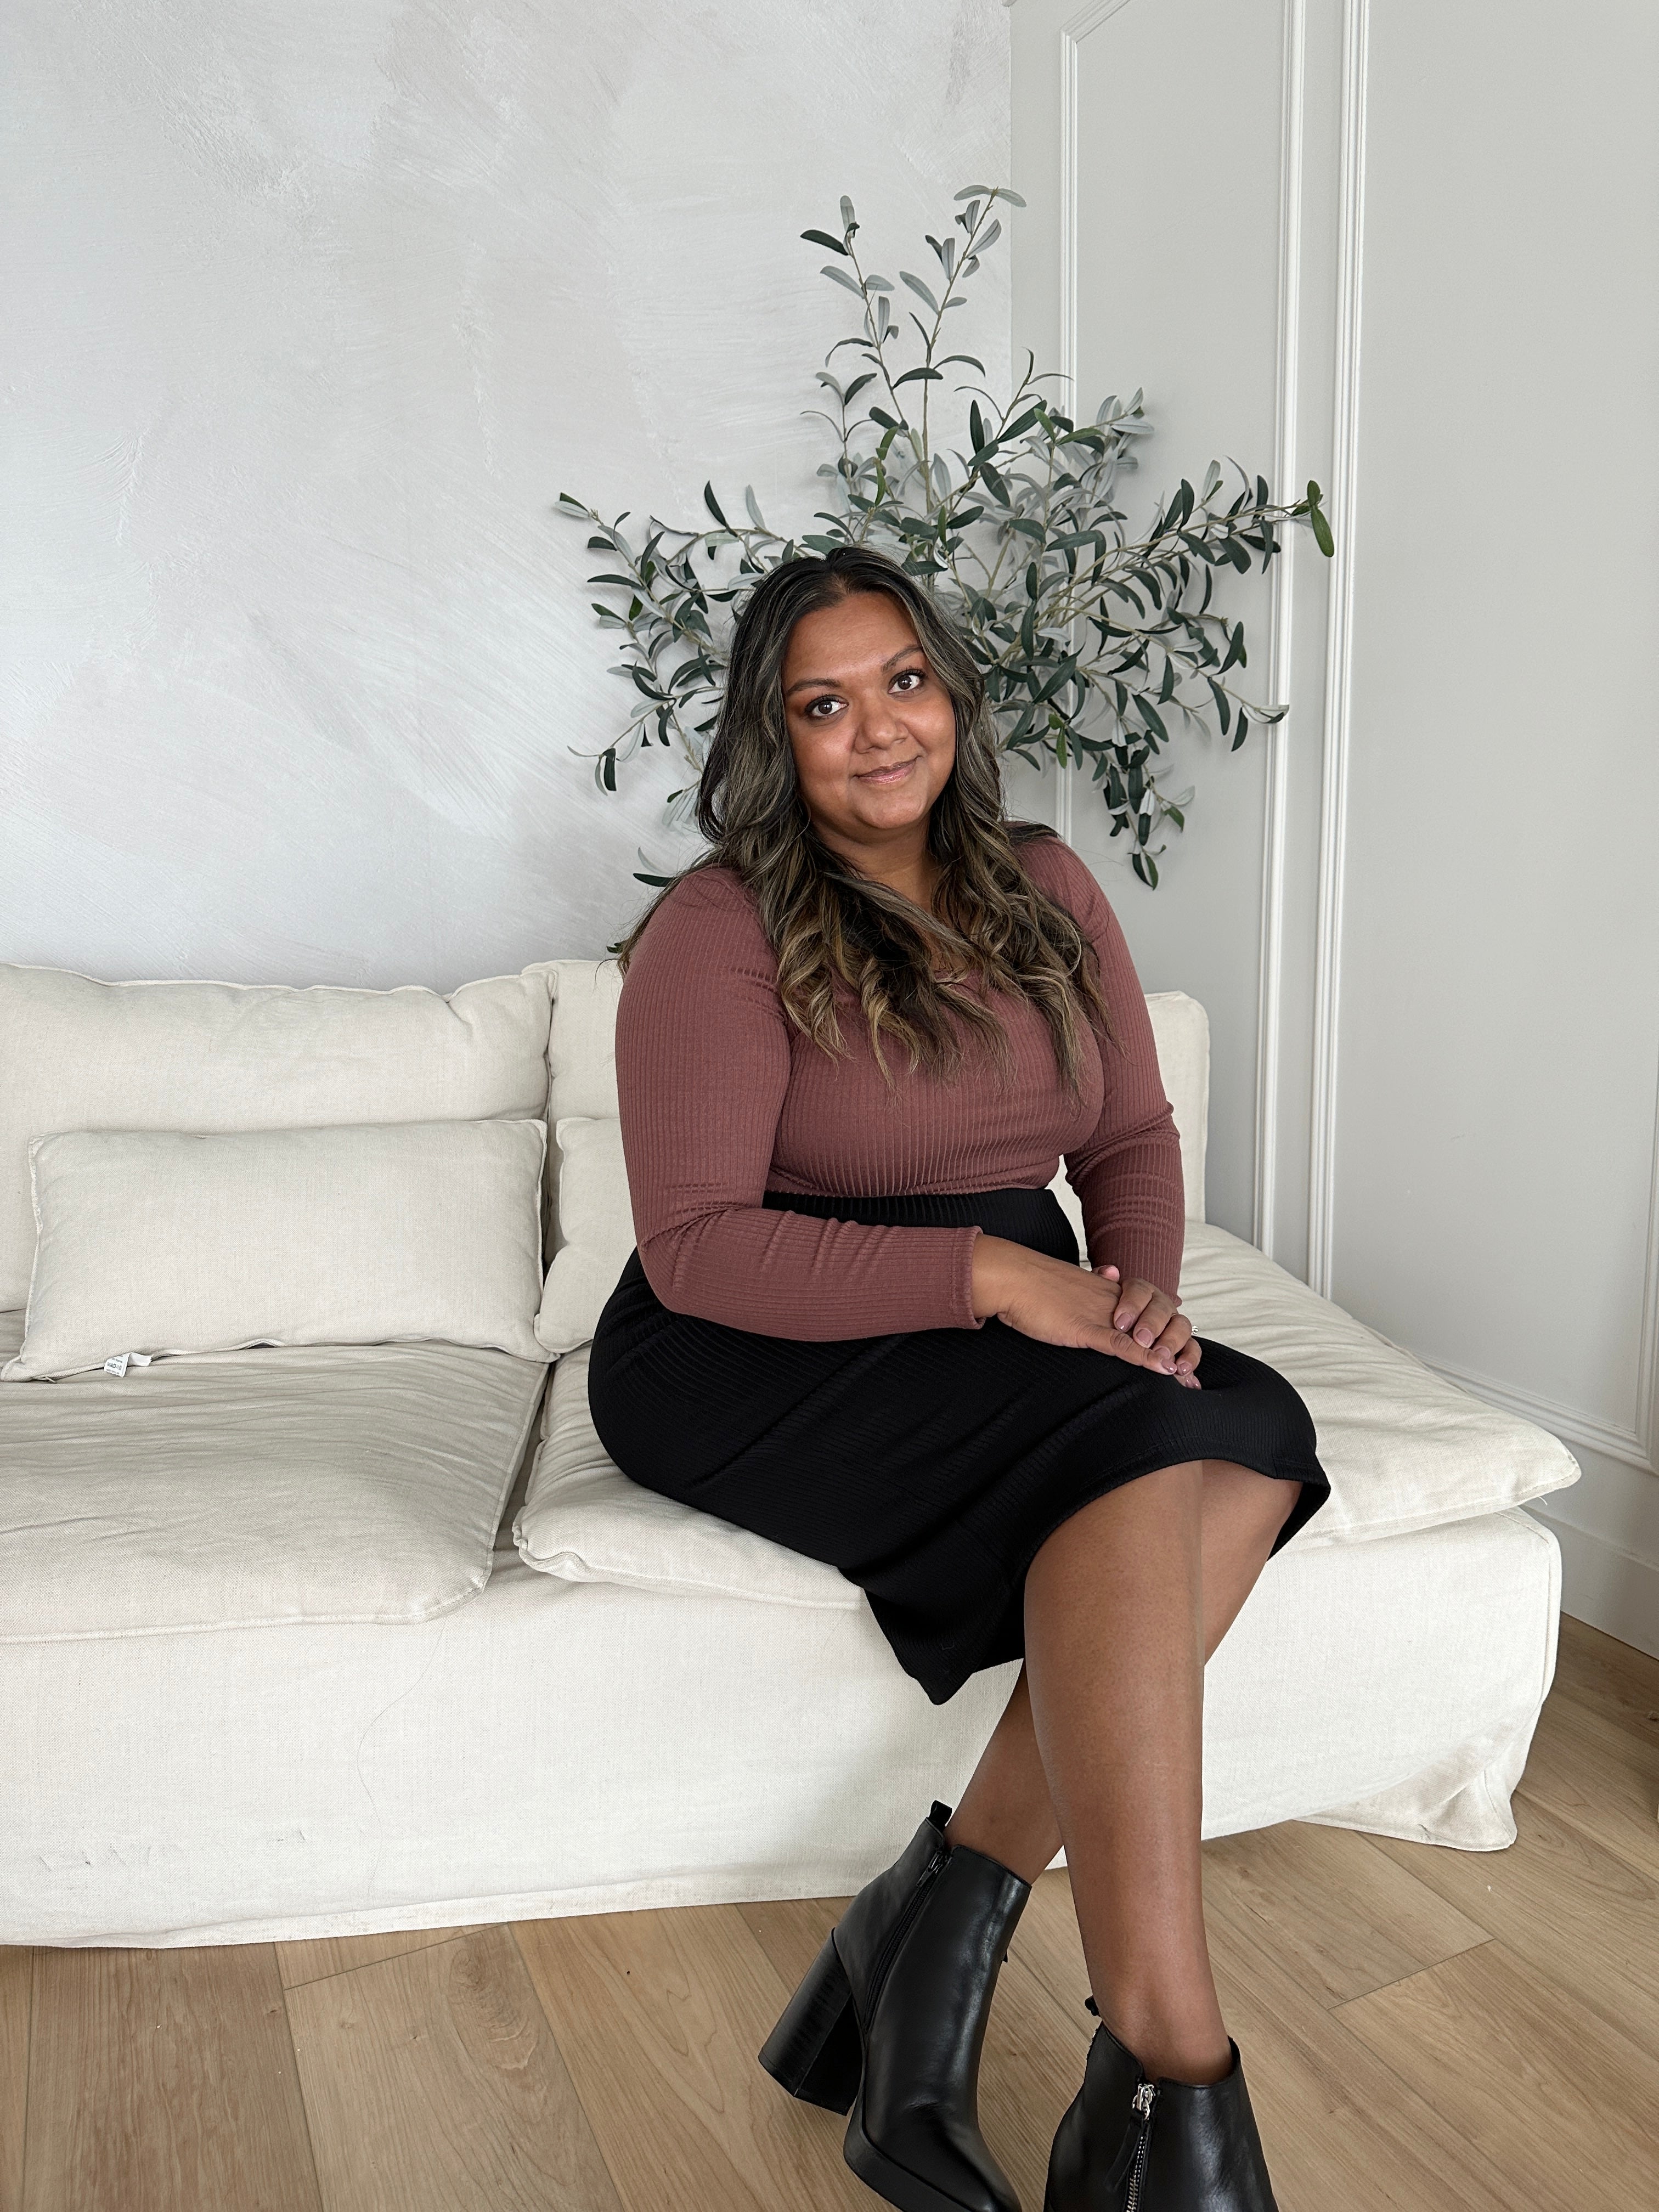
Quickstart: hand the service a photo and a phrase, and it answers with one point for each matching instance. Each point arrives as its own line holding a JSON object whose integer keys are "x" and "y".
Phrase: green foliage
{"x": 1095, "y": 647}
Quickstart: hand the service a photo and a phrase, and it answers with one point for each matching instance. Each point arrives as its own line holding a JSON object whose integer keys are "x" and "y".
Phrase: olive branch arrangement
{"x": 1093, "y": 646}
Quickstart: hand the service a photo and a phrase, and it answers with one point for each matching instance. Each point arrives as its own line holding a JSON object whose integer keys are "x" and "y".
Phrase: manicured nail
{"x": 1143, "y": 1335}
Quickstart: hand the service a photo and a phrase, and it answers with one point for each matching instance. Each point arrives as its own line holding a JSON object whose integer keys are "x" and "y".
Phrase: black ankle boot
{"x": 1128, "y": 2144}
{"x": 891, "y": 2022}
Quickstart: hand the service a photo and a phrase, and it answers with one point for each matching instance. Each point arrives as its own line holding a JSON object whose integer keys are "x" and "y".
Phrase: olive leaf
{"x": 1096, "y": 648}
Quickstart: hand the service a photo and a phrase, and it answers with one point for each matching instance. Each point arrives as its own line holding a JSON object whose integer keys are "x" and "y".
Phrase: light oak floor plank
{"x": 1047, "y": 1945}
{"x": 434, "y": 2085}
{"x": 1342, "y": 2134}
{"x": 660, "y": 2016}
{"x": 164, "y": 2081}
{"x": 1387, "y": 1997}
{"x": 1601, "y": 1777}
{"x": 1574, "y": 1912}
{"x": 16, "y": 1985}
{"x": 1497, "y": 2050}
{"x": 792, "y": 1931}
{"x": 1339, "y": 1918}
{"x": 323, "y": 1955}
{"x": 1615, "y": 1680}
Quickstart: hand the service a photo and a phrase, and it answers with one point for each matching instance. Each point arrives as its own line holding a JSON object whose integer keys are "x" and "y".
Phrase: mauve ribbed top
{"x": 722, "y": 1098}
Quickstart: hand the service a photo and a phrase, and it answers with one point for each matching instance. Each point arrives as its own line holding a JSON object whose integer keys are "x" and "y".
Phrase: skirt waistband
{"x": 1034, "y": 1218}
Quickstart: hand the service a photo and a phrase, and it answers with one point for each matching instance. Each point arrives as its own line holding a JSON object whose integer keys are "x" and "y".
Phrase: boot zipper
{"x": 900, "y": 1928}
{"x": 1142, "y": 2103}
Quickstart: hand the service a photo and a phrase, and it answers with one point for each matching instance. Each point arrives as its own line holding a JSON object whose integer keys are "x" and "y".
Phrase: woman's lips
{"x": 891, "y": 775}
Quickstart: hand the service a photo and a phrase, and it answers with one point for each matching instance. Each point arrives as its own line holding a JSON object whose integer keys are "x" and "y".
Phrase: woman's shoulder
{"x": 1056, "y": 870}
{"x": 707, "y": 916}
{"x": 705, "y": 888}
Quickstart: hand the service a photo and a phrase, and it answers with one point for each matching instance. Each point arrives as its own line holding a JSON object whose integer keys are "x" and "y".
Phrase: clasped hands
{"x": 1058, "y": 1303}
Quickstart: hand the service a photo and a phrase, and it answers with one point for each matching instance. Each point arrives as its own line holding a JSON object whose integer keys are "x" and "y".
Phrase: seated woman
{"x": 855, "y": 1041}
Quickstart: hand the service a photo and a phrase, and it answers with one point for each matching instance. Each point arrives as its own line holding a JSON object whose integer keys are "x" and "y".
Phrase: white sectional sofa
{"x": 307, "y": 1636}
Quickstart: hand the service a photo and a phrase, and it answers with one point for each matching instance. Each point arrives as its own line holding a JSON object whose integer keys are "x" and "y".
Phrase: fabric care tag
{"x": 119, "y": 1362}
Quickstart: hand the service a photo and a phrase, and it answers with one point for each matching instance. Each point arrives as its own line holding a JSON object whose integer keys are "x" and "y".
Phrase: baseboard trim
{"x": 1610, "y": 1589}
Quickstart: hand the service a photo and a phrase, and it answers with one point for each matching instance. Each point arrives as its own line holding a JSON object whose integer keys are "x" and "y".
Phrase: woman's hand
{"x": 1061, "y": 1304}
{"x": 1149, "y": 1315}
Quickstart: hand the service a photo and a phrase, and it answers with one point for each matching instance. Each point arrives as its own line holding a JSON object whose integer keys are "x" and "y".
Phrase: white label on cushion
{"x": 123, "y": 1360}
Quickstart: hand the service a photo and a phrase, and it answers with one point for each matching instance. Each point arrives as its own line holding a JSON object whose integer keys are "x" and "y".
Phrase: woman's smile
{"x": 893, "y": 772}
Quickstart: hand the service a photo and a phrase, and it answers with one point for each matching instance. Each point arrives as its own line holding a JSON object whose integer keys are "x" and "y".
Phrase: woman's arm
{"x": 1126, "y": 1173}
{"x": 703, "y": 1066}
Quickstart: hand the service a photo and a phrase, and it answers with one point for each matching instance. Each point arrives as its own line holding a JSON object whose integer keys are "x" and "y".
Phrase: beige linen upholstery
{"x": 548, "y": 1748}
{"x": 596, "y": 1230}
{"x": 80, "y": 1054}
{"x": 585, "y": 1521}
{"x": 237, "y": 1490}
{"x": 158, "y": 1242}
{"x": 1404, "y": 1449}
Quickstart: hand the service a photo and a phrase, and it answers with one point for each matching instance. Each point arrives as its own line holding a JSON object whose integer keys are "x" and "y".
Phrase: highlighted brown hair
{"x": 825, "y": 921}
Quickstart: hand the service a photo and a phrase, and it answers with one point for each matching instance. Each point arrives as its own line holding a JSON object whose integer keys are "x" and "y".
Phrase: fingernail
{"x": 1143, "y": 1336}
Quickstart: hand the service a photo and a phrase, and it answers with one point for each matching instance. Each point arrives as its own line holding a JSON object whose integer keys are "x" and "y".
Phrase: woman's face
{"x": 871, "y": 728}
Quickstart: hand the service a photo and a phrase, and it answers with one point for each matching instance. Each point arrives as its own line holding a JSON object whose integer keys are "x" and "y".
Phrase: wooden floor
{"x": 1427, "y": 2030}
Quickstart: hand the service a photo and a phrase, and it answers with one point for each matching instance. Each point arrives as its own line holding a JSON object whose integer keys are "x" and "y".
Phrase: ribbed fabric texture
{"x": 722, "y": 1098}
{"x": 929, "y": 1470}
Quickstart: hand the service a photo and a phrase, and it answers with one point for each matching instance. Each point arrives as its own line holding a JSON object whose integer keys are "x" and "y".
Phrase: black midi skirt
{"x": 930, "y": 1465}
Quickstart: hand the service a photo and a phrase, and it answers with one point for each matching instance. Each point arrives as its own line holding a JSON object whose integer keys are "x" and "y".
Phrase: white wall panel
{"x": 1435, "y": 913}
{"x": 1163, "y": 281}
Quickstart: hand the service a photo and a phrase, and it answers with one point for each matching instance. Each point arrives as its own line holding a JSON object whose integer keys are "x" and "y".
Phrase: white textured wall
{"x": 313, "y": 311}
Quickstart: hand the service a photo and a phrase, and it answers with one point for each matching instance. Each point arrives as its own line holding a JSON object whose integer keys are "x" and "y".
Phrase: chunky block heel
{"x": 814, "y": 2051}
{"x": 890, "y": 2021}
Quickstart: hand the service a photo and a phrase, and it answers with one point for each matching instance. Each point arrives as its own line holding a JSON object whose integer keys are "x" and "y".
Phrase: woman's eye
{"x": 909, "y": 676}
{"x": 812, "y": 709}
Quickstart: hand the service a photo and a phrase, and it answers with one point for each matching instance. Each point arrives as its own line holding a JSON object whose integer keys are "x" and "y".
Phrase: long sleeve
{"x": 703, "y": 1058}
{"x": 1127, "y": 1174}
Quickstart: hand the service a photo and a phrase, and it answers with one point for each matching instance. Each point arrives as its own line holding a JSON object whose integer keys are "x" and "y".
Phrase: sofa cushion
{"x": 596, "y": 1230}
{"x": 592, "y": 1232}
{"x": 80, "y": 1054}
{"x": 1404, "y": 1449}
{"x": 245, "y": 1489}
{"x": 153, "y": 1241}
{"x": 585, "y": 1521}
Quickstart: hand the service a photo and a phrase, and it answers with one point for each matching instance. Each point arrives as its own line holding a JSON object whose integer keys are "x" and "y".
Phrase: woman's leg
{"x": 1101, "y": 1742}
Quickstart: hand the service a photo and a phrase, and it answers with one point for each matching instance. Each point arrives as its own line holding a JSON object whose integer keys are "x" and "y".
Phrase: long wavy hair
{"x": 825, "y": 921}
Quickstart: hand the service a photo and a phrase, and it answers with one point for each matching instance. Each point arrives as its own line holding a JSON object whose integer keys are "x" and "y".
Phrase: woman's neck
{"x": 906, "y": 865}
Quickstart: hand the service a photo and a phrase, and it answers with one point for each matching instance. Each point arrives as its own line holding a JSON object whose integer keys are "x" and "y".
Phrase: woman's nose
{"x": 880, "y": 726}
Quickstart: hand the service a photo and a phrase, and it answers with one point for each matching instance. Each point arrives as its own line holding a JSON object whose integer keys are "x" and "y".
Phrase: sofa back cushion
{"x": 154, "y": 1242}
{"x": 80, "y": 1054}
{"x": 592, "y": 1226}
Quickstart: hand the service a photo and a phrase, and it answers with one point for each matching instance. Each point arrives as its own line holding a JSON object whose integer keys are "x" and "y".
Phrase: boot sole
{"x": 896, "y": 2183}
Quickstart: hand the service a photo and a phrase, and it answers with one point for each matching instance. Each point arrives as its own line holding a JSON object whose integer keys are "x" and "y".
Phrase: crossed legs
{"x": 1101, "y": 1743}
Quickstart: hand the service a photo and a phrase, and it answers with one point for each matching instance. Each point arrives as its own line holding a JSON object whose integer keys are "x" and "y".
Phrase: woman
{"x": 854, "y": 1041}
